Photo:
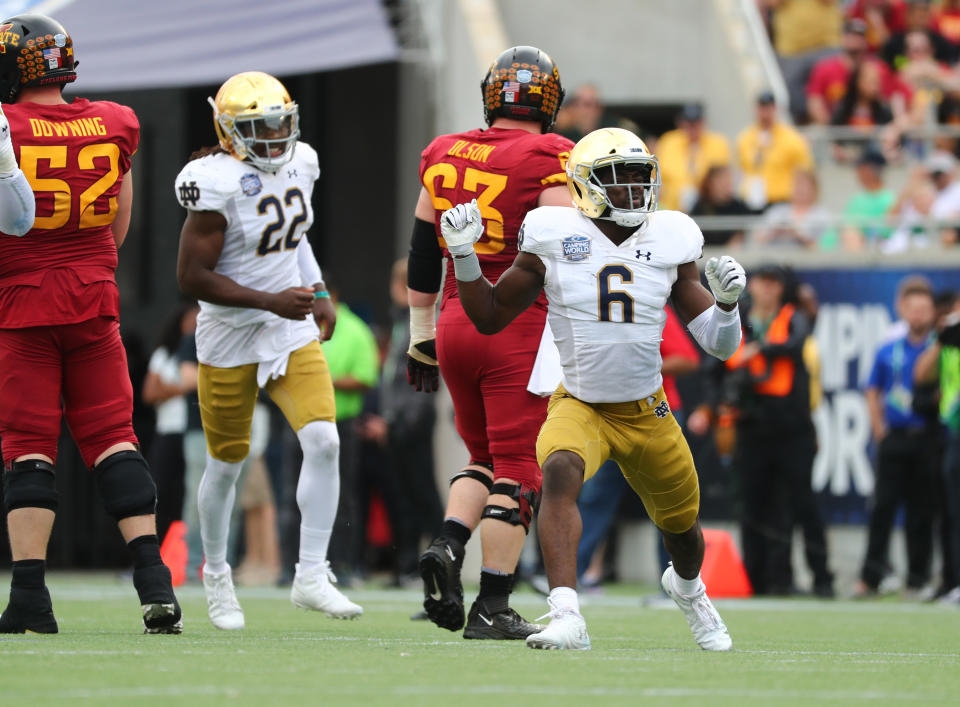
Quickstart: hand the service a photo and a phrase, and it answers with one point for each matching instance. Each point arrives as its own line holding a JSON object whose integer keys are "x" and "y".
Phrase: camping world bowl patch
{"x": 576, "y": 248}
{"x": 250, "y": 183}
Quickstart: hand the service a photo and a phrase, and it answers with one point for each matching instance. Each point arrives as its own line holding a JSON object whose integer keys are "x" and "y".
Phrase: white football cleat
{"x": 567, "y": 631}
{"x": 222, "y": 605}
{"x": 314, "y": 590}
{"x": 708, "y": 628}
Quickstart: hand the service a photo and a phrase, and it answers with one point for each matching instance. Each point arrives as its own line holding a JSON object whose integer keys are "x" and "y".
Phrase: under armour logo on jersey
{"x": 662, "y": 409}
{"x": 643, "y": 254}
{"x": 291, "y": 173}
{"x": 189, "y": 193}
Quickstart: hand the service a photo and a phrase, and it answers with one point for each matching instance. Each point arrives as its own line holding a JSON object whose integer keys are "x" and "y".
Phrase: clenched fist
{"x": 726, "y": 279}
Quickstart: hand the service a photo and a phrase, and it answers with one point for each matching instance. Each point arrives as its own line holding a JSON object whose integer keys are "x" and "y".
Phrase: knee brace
{"x": 527, "y": 501}
{"x": 126, "y": 485}
{"x": 30, "y": 483}
{"x": 473, "y": 472}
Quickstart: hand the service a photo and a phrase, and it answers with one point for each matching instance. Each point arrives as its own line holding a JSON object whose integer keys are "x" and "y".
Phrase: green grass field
{"x": 791, "y": 652}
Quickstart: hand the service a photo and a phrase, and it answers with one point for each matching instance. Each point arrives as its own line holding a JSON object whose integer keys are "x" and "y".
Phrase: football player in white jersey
{"x": 608, "y": 268}
{"x": 244, "y": 254}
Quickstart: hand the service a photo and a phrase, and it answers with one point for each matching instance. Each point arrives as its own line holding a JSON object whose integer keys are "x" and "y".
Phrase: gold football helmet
{"x": 614, "y": 158}
{"x": 256, "y": 120}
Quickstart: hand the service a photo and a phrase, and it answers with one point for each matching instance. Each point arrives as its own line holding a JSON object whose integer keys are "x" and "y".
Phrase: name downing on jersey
{"x": 79, "y": 127}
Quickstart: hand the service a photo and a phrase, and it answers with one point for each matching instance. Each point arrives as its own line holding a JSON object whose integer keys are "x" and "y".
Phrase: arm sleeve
{"x": 425, "y": 260}
{"x": 717, "y": 331}
{"x": 310, "y": 273}
{"x": 17, "y": 205}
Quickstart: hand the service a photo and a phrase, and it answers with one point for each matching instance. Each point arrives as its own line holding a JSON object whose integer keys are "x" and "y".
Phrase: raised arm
{"x": 201, "y": 241}
{"x": 490, "y": 307}
{"x": 17, "y": 204}
{"x": 714, "y": 324}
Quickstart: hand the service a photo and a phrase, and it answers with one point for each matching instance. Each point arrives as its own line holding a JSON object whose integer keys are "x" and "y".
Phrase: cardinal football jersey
{"x": 75, "y": 156}
{"x": 606, "y": 302}
{"x": 505, "y": 171}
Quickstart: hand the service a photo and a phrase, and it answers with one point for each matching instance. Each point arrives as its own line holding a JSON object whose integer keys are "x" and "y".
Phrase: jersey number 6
{"x": 606, "y": 296}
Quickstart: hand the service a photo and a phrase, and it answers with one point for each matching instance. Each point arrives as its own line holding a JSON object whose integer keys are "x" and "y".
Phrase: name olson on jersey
{"x": 576, "y": 248}
{"x": 471, "y": 150}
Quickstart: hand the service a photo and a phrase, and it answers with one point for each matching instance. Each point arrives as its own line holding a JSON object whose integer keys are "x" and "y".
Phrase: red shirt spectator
{"x": 883, "y": 19}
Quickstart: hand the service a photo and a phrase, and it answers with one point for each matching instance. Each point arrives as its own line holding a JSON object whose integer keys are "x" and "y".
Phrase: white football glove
{"x": 726, "y": 278}
{"x": 8, "y": 162}
{"x": 461, "y": 227}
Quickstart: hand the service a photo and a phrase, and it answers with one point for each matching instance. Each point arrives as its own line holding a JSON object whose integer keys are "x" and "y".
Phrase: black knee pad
{"x": 476, "y": 475}
{"x": 31, "y": 483}
{"x": 126, "y": 485}
{"x": 527, "y": 499}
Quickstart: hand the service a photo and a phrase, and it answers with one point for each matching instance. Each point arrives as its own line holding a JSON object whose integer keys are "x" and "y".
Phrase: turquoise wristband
{"x": 320, "y": 294}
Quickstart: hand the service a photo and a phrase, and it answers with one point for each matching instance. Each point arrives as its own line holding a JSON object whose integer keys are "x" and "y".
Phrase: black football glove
{"x": 423, "y": 371}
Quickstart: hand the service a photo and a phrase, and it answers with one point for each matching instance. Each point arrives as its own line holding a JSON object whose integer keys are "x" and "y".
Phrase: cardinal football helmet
{"x": 522, "y": 83}
{"x": 604, "y": 159}
{"x": 256, "y": 120}
{"x": 35, "y": 50}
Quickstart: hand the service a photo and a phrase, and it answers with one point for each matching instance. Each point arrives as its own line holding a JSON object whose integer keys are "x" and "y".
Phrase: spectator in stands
{"x": 354, "y": 361}
{"x": 926, "y": 75}
{"x": 864, "y": 108}
{"x": 830, "y": 77}
{"x": 769, "y": 152}
{"x": 799, "y": 223}
{"x": 912, "y": 212}
{"x": 905, "y": 471}
{"x": 865, "y": 216}
{"x": 946, "y": 21}
{"x": 804, "y": 31}
{"x": 883, "y": 19}
{"x": 685, "y": 154}
{"x": 919, "y": 19}
{"x": 582, "y": 113}
{"x": 717, "y": 198}
{"x": 945, "y": 210}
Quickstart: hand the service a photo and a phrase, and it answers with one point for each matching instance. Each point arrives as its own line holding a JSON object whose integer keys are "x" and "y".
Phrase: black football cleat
{"x": 505, "y": 624}
{"x": 161, "y": 611}
{"x": 29, "y": 611}
{"x": 442, "y": 591}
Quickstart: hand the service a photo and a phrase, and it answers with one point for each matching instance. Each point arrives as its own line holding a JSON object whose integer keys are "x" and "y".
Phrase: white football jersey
{"x": 606, "y": 302}
{"x": 267, "y": 216}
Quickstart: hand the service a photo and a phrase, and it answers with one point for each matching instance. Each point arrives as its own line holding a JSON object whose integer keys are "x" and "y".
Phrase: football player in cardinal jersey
{"x": 244, "y": 254}
{"x": 608, "y": 268}
{"x": 60, "y": 348}
{"x": 511, "y": 167}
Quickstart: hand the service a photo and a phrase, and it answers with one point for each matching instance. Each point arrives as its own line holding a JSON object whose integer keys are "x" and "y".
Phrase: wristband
{"x": 467, "y": 268}
{"x": 319, "y": 294}
{"x": 423, "y": 323}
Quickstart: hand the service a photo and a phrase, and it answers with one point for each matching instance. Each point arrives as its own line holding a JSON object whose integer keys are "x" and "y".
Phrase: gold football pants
{"x": 227, "y": 397}
{"x": 643, "y": 438}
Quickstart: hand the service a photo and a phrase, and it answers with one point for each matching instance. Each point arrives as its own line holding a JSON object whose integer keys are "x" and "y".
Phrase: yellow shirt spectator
{"x": 769, "y": 153}
{"x": 806, "y": 25}
{"x": 685, "y": 155}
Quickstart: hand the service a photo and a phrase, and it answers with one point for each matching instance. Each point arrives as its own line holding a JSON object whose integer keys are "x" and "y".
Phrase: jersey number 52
{"x": 88, "y": 158}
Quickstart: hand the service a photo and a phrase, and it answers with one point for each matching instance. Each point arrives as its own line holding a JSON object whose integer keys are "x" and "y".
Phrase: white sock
{"x": 215, "y": 497}
{"x": 318, "y": 490}
{"x": 687, "y": 587}
{"x": 565, "y": 598}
